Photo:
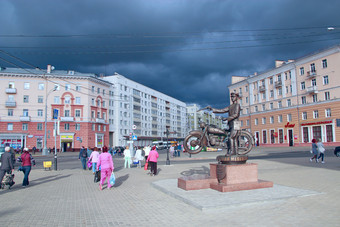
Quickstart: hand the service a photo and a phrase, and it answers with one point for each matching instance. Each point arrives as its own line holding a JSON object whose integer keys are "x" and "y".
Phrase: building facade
{"x": 194, "y": 116}
{"x": 142, "y": 114}
{"x": 293, "y": 103}
{"x": 30, "y": 95}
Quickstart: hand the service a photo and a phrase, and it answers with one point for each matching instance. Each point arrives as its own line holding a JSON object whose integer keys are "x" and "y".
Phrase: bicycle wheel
{"x": 192, "y": 144}
{"x": 245, "y": 143}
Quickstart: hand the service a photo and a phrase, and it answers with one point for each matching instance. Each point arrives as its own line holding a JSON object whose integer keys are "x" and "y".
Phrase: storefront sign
{"x": 317, "y": 123}
{"x": 68, "y": 138}
{"x": 289, "y": 125}
{"x": 30, "y": 136}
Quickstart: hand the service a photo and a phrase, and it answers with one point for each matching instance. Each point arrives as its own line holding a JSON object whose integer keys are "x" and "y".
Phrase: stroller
{"x": 8, "y": 180}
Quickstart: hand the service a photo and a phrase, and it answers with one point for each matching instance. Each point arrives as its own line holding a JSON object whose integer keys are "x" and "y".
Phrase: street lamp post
{"x": 45, "y": 150}
{"x": 167, "y": 146}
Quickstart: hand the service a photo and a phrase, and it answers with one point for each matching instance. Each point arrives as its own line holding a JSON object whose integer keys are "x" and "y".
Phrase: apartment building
{"x": 294, "y": 102}
{"x": 143, "y": 114}
{"x": 30, "y": 95}
{"x": 194, "y": 117}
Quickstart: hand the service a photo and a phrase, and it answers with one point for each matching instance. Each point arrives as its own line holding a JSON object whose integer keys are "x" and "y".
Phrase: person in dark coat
{"x": 7, "y": 164}
{"x": 83, "y": 156}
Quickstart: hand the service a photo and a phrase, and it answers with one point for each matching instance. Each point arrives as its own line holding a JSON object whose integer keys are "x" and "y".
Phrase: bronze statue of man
{"x": 234, "y": 112}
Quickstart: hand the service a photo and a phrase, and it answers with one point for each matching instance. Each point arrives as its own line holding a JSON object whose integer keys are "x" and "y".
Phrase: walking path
{"x": 70, "y": 198}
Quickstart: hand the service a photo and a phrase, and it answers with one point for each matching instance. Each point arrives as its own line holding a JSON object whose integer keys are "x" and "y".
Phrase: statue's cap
{"x": 233, "y": 94}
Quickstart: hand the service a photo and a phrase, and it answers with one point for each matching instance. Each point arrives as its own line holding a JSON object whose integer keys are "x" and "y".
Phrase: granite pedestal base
{"x": 229, "y": 178}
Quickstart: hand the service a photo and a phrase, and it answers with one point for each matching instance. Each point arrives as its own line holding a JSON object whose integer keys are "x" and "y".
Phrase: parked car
{"x": 337, "y": 151}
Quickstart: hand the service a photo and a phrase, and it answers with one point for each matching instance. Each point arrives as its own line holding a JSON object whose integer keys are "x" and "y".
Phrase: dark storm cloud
{"x": 185, "y": 49}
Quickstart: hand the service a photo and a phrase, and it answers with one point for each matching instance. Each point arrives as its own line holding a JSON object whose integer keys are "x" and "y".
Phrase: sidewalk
{"x": 70, "y": 198}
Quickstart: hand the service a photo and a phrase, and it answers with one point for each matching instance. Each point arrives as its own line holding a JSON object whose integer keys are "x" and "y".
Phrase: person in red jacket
{"x": 26, "y": 163}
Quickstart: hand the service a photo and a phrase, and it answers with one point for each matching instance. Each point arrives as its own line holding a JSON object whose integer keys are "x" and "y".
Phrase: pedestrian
{"x": 314, "y": 151}
{"x": 94, "y": 159}
{"x": 26, "y": 160}
{"x": 127, "y": 157}
{"x": 105, "y": 163}
{"x": 7, "y": 165}
{"x": 34, "y": 149}
{"x": 179, "y": 148}
{"x": 147, "y": 150}
{"x": 83, "y": 156}
{"x": 172, "y": 150}
{"x": 152, "y": 160}
{"x": 321, "y": 150}
{"x": 89, "y": 151}
{"x": 139, "y": 157}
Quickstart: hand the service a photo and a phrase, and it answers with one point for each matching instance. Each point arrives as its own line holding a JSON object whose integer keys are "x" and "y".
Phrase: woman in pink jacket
{"x": 94, "y": 159}
{"x": 106, "y": 163}
{"x": 152, "y": 159}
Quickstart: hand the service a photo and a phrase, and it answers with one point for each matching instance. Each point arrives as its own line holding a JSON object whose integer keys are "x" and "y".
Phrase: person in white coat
{"x": 139, "y": 157}
{"x": 321, "y": 150}
{"x": 127, "y": 157}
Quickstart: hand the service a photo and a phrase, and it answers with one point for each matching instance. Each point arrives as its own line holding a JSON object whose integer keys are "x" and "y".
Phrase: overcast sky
{"x": 188, "y": 49}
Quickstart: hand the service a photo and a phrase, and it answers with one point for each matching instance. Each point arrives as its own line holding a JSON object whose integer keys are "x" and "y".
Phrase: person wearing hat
{"x": 7, "y": 165}
{"x": 233, "y": 114}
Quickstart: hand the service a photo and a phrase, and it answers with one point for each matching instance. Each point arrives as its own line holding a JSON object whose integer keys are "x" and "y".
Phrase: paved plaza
{"x": 304, "y": 194}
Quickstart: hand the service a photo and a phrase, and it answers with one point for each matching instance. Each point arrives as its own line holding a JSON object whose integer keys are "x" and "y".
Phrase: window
{"x": 286, "y": 76}
{"x": 92, "y": 114}
{"x": 328, "y": 112}
{"x": 279, "y": 77}
{"x": 67, "y": 99}
{"x": 279, "y": 118}
{"x": 10, "y": 112}
{"x": 289, "y": 102}
{"x": 256, "y": 109}
{"x": 24, "y": 126}
{"x": 312, "y": 68}
{"x": 78, "y": 87}
{"x": 67, "y": 113}
{"x": 246, "y": 99}
{"x": 289, "y": 117}
{"x": 271, "y": 105}
{"x": 77, "y": 113}
{"x": 104, "y": 104}
{"x": 314, "y": 82}
{"x": 264, "y": 136}
{"x": 264, "y": 120}
{"x": 67, "y": 126}
{"x": 40, "y": 99}
{"x": 67, "y": 87}
{"x": 26, "y": 98}
{"x": 104, "y": 128}
{"x": 305, "y": 134}
{"x": 279, "y": 104}
{"x": 77, "y": 100}
{"x": 98, "y": 90}
{"x": 39, "y": 126}
{"x": 303, "y": 100}
{"x": 271, "y": 120}
{"x": 40, "y": 113}
{"x": 9, "y": 126}
{"x": 325, "y": 80}
{"x": 302, "y": 70}
{"x": 56, "y": 100}
{"x": 263, "y": 107}
{"x": 77, "y": 127}
{"x": 25, "y": 112}
{"x": 26, "y": 86}
{"x": 256, "y": 121}
{"x": 246, "y": 88}
{"x": 93, "y": 127}
{"x": 99, "y": 128}
{"x": 291, "y": 88}
{"x": 315, "y": 114}
{"x": 304, "y": 115}
{"x": 271, "y": 81}
{"x": 98, "y": 114}
{"x": 271, "y": 93}
{"x": 263, "y": 95}
{"x": 98, "y": 102}
{"x": 254, "y": 98}
{"x": 92, "y": 89}
{"x": 41, "y": 86}
{"x": 303, "y": 86}
{"x": 287, "y": 91}
{"x": 247, "y": 122}
{"x": 92, "y": 102}
{"x": 315, "y": 98}
{"x": 327, "y": 95}
{"x": 324, "y": 63}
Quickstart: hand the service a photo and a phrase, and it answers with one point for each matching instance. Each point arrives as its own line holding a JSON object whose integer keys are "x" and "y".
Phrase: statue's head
{"x": 234, "y": 96}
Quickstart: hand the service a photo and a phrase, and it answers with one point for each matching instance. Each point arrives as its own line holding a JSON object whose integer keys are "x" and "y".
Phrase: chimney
{"x": 49, "y": 68}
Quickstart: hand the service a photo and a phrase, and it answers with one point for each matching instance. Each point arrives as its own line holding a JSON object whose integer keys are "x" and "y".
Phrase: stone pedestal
{"x": 226, "y": 178}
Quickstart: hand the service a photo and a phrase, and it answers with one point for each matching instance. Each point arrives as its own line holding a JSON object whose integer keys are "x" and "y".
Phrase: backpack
{"x": 84, "y": 154}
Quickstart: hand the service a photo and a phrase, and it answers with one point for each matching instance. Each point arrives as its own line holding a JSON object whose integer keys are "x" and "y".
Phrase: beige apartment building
{"x": 80, "y": 99}
{"x": 293, "y": 103}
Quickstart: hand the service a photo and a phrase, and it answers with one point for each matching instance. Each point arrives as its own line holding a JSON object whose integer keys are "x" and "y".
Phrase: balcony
{"x": 11, "y": 104}
{"x": 262, "y": 88}
{"x": 311, "y": 74}
{"x": 278, "y": 83}
{"x": 100, "y": 120}
{"x": 66, "y": 119}
{"x": 25, "y": 118}
{"x": 11, "y": 90}
{"x": 312, "y": 90}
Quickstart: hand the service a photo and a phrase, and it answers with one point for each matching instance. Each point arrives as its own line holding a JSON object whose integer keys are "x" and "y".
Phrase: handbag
{"x": 97, "y": 176}
{"x": 112, "y": 179}
{"x": 146, "y": 166}
{"x": 89, "y": 164}
{"x": 321, "y": 149}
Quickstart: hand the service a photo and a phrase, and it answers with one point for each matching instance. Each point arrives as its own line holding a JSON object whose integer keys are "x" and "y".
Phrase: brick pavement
{"x": 70, "y": 198}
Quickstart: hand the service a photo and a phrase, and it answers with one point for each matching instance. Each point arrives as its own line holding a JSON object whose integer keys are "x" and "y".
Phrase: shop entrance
{"x": 290, "y": 137}
{"x": 66, "y": 146}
